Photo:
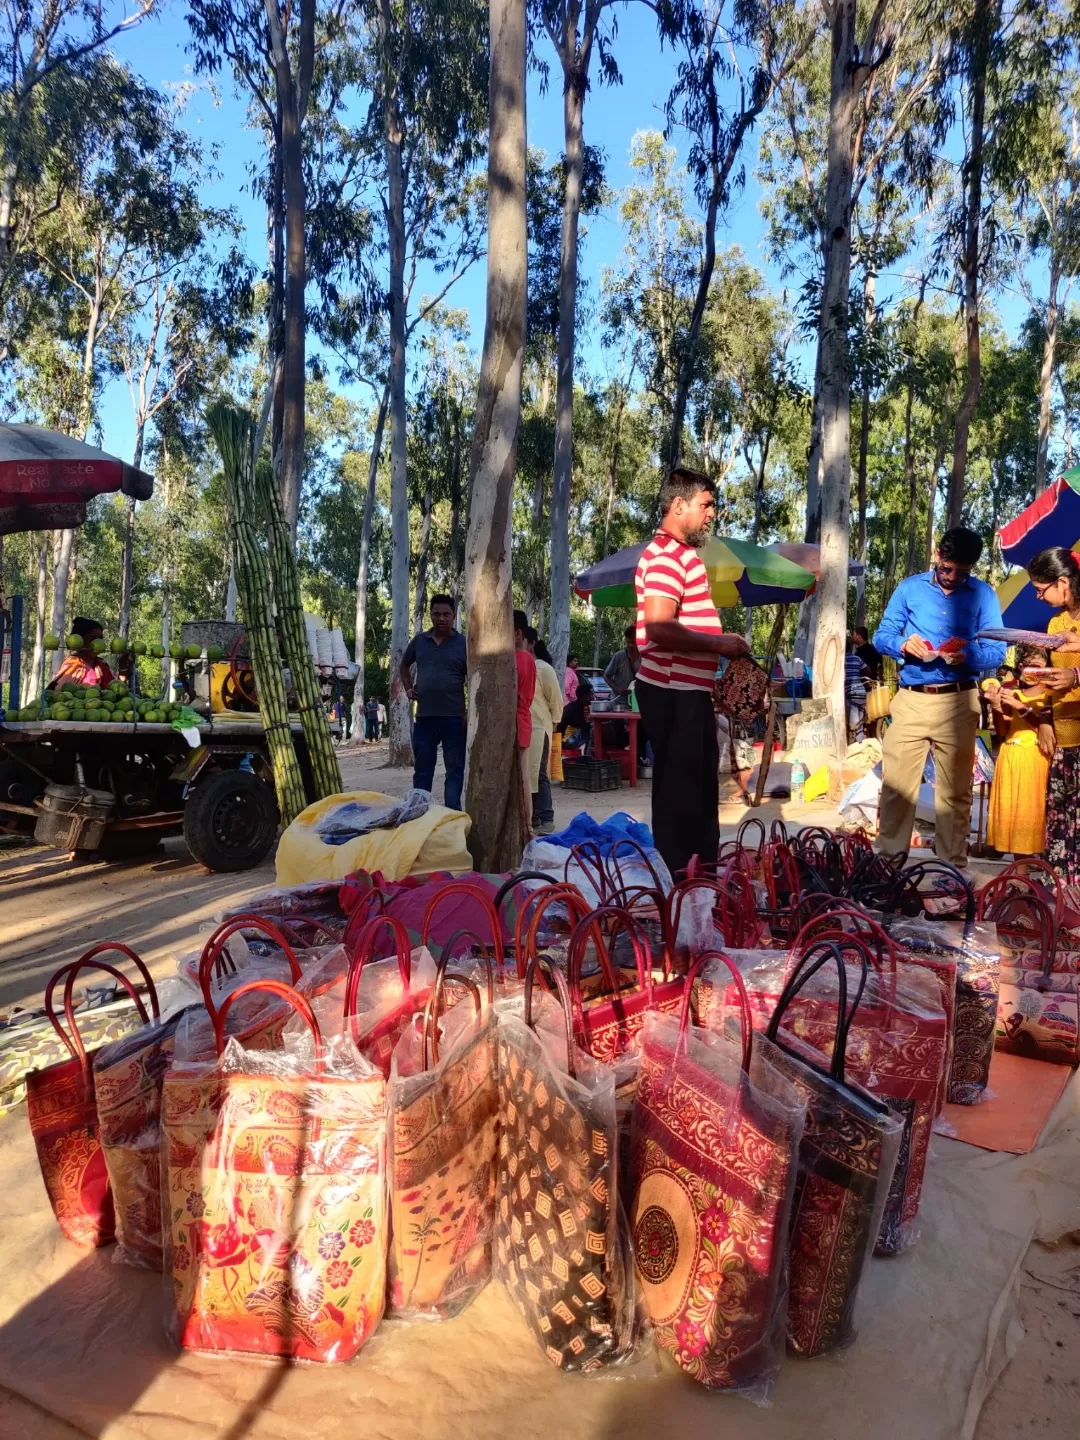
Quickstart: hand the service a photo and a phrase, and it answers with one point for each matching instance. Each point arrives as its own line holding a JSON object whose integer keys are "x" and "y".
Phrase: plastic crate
{"x": 591, "y": 775}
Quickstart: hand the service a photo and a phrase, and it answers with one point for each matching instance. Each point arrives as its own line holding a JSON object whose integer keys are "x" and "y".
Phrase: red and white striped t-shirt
{"x": 674, "y": 571}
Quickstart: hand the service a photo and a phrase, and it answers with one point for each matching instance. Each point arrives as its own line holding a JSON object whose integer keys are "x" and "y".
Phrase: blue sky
{"x": 157, "y": 50}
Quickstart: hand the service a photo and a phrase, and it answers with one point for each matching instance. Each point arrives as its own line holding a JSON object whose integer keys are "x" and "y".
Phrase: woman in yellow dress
{"x": 1017, "y": 821}
{"x": 1055, "y": 578}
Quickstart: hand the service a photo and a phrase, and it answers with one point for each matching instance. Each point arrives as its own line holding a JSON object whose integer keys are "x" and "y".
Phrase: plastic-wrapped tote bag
{"x": 62, "y": 1111}
{"x": 610, "y": 1025}
{"x": 376, "y": 1028}
{"x": 444, "y": 1116}
{"x": 128, "y": 1076}
{"x": 847, "y": 1157}
{"x": 558, "y": 1244}
{"x": 974, "y": 950}
{"x": 881, "y": 938}
{"x": 897, "y": 1049}
{"x": 716, "y": 1133}
{"x": 259, "y": 1021}
{"x": 275, "y": 1166}
{"x": 1038, "y": 1011}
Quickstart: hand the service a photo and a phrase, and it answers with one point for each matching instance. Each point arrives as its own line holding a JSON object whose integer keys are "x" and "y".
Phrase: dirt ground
{"x": 52, "y": 908}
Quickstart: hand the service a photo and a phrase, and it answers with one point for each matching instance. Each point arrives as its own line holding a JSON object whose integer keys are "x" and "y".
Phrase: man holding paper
{"x": 930, "y": 628}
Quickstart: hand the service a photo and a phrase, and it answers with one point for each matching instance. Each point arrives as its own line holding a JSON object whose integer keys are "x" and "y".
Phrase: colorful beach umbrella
{"x": 739, "y": 573}
{"x": 1053, "y": 518}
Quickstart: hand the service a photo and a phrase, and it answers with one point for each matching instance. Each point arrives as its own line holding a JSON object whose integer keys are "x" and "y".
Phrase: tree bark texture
{"x": 360, "y": 642}
{"x": 420, "y": 607}
{"x": 494, "y": 797}
{"x": 1046, "y": 379}
{"x": 563, "y": 473}
{"x": 292, "y": 94}
{"x": 835, "y": 377}
{"x": 806, "y": 623}
{"x": 398, "y": 708}
{"x": 985, "y": 20}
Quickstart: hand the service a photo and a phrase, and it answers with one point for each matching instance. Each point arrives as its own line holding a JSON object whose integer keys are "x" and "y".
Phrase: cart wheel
{"x": 230, "y": 820}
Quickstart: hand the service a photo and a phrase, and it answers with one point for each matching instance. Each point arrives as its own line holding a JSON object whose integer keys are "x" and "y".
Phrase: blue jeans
{"x": 543, "y": 808}
{"x": 428, "y": 734}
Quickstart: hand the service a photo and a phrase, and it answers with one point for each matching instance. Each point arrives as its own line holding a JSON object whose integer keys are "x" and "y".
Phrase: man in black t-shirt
{"x": 439, "y": 691}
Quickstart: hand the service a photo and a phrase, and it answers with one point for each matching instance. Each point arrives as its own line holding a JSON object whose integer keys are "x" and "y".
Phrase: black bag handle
{"x": 817, "y": 956}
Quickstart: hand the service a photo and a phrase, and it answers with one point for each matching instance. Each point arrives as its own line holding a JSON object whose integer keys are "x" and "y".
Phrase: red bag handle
{"x": 292, "y": 997}
{"x": 370, "y": 900}
{"x": 214, "y": 948}
{"x": 475, "y": 892}
{"x": 75, "y": 1047}
{"x": 365, "y": 948}
{"x": 447, "y": 954}
{"x": 779, "y": 852}
{"x": 759, "y": 824}
{"x": 296, "y": 924}
{"x": 563, "y": 893}
{"x": 674, "y": 906}
{"x": 558, "y": 979}
{"x": 1021, "y": 870}
{"x": 737, "y": 904}
{"x": 591, "y": 925}
{"x": 746, "y": 1022}
{"x": 433, "y": 1008}
{"x": 591, "y": 859}
{"x": 827, "y": 923}
{"x": 614, "y": 869}
{"x": 1001, "y": 893}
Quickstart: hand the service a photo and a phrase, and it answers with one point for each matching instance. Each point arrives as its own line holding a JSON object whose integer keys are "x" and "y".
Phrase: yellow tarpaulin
{"x": 434, "y": 841}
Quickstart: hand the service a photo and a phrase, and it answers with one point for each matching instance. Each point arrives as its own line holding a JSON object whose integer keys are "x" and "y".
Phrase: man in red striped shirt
{"x": 681, "y": 639}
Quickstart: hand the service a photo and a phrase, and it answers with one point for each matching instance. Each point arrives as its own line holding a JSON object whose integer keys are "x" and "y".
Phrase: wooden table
{"x": 629, "y": 718}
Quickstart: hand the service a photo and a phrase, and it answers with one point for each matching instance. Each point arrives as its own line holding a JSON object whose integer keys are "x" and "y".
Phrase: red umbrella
{"x": 47, "y": 479}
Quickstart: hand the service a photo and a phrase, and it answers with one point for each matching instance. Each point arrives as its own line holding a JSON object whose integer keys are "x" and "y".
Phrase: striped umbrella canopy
{"x": 47, "y": 479}
{"x": 1053, "y": 518}
{"x": 739, "y": 573}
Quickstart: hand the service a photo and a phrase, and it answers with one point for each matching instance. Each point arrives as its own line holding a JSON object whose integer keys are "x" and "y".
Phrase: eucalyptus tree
{"x": 494, "y": 795}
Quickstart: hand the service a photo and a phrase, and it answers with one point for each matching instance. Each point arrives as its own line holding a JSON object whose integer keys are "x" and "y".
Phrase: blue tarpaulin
{"x": 619, "y": 826}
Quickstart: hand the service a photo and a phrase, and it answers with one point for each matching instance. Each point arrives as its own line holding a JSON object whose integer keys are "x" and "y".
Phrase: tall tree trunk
{"x": 984, "y": 23}
{"x": 457, "y": 514}
{"x": 1046, "y": 379}
{"x": 807, "y": 621}
{"x": 292, "y": 91}
{"x": 494, "y": 794}
{"x": 400, "y": 741}
{"x": 909, "y": 446}
{"x": 534, "y": 594}
{"x": 864, "y": 454}
{"x": 612, "y": 487}
{"x": 939, "y": 461}
{"x": 755, "y": 534}
{"x": 836, "y": 377}
{"x": 573, "y": 103}
{"x": 129, "y": 535}
{"x": 360, "y": 640}
{"x": 40, "y": 599}
{"x": 421, "y": 600}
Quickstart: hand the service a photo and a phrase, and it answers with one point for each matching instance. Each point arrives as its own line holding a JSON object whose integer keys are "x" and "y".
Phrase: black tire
{"x": 230, "y": 820}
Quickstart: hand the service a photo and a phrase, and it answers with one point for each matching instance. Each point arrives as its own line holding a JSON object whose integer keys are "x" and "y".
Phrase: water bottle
{"x": 798, "y": 781}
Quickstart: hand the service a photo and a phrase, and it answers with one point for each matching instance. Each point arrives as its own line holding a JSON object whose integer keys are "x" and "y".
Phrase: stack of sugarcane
{"x": 290, "y": 609}
{"x": 234, "y": 434}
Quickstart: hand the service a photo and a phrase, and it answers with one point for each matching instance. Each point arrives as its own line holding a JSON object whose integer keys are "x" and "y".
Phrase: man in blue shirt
{"x": 441, "y": 661}
{"x": 929, "y": 628}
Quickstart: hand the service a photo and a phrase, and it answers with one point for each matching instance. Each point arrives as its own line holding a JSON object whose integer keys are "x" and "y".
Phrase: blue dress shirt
{"x": 919, "y": 606}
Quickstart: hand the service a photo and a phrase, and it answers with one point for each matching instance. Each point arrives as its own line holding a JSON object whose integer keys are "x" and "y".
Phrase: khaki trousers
{"x": 947, "y": 723}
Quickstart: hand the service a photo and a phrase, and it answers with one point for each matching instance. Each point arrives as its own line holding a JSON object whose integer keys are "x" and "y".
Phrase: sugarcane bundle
{"x": 290, "y": 610}
{"x": 234, "y": 434}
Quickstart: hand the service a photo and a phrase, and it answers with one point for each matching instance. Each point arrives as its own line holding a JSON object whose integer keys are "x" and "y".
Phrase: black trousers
{"x": 681, "y": 728}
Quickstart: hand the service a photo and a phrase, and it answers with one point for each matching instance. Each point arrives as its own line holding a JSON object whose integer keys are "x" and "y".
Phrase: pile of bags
{"x": 681, "y": 1110}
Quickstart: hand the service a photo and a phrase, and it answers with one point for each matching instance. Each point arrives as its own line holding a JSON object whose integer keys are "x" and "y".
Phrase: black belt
{"x": 952, "y": 688}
